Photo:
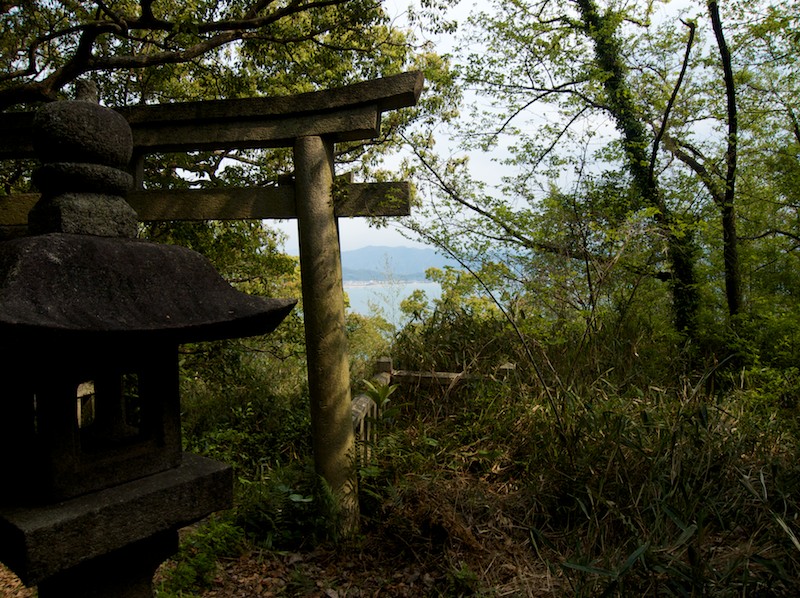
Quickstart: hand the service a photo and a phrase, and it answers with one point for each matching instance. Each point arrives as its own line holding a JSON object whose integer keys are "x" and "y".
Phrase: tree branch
{"x": 108, "y": 21}
{"x": 692, "y": 27}
{"x": 692, "y": 157}
{"x": 771, "y": 233}
{"x": 730, "y": 95}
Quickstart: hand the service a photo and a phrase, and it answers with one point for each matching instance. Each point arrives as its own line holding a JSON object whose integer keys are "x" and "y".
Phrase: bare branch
{"x": 692, "y": 158}
{"x": 772, "y": 232}
{"x": 512, "y": 234}
{"x": 115, "y": 17}
{"x": 692, "y": 27}
{"x": 555, "y": 141}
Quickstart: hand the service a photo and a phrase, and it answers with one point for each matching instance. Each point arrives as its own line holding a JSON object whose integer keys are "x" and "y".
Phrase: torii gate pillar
{"x": 323, "y": 312}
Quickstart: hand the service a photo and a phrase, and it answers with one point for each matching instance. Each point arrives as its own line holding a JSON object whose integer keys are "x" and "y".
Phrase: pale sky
{"x": 354, "y": 233}
{"x": 357, "y": 232}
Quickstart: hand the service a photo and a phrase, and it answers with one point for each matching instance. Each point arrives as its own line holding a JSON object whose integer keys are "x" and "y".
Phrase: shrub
{"x": 194, "y": 567}
{"x": 288, "y": 509}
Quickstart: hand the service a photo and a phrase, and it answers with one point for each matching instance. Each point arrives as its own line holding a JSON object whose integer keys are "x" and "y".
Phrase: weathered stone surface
{"x": 241, "y": 203}
{"x": 84, "y": 214}
{"x": 82, "y": 131}
{"x": 127, "y": 573}
{"x": 387, "y": 93}
{"x": 260, "y": 122}
{"x": 83, "y": 305}
{"x": 181, "y": 135}
{"x": 83, "y": 147}
{"x": 63, "y": 289}
{"x": 324, "y": 319}
{"x": 36, "y": 543}
{"x": 63, "y": 177}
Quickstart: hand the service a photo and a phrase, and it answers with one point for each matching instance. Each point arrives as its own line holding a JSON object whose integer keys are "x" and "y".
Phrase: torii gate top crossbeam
{"x": 346, "y": 113}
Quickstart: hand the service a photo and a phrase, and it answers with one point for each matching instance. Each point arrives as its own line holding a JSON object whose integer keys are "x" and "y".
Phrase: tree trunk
{"x": 681, "y": 250}
{"x": 730, "y": 238}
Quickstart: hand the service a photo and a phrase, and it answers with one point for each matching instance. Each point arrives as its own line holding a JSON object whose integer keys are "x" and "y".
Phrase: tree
{"x": 618, "y": 109}
{"x": 47, "y": 46}
{"x": 552, "y": 42}
{"x": 720, "y": 185}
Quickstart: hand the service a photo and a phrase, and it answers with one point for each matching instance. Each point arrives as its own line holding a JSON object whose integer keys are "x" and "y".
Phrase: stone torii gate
{"x": 311, "y": 124}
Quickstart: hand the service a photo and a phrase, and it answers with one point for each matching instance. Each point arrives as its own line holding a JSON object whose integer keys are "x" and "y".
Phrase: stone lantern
{"x": 95, "y": 482}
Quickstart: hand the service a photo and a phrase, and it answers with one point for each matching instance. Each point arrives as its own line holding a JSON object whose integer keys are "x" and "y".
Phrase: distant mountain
{"x": 395, "y": 263}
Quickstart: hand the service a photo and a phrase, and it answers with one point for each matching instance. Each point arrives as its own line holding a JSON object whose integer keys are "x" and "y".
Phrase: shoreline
{"x": 371, "y": 283}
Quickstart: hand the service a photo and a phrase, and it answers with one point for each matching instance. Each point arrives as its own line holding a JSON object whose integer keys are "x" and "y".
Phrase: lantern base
{"x": 41, "y": 542}
{"x": 125, "y": 573}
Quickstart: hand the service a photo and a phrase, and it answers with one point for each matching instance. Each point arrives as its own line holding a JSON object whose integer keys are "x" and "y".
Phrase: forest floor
{"x": 440, "y": 543}
{"x": 324, "y": 573}
{"x": 332, "y": 573}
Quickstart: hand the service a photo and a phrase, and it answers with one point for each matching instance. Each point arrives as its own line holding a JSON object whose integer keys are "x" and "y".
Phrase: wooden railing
{"x": 366, "y": 412}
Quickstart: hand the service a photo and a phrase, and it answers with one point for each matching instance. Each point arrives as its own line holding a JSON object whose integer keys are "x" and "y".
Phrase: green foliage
{"x": 461, "y": 330}
{"x": 463, "y": 582}
{"x": 288, "y": 508}
{"x": 453, "y": 341}
{"x": 379, "y": 393}
{"x": 665, "y": 473}
{"x": 368, "y": 339}
{"x": 610, "y": 126}
{"x": 635, "y": 473}
{"x": 249, "y": 426}
{"x": 168, "y": 51}
{"x": 666, "y": 490}
{"x": 194, "y": 567}
{"x": 247, "y": 254}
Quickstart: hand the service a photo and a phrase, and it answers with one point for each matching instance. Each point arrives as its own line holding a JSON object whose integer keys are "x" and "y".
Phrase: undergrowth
{"x": 668, "y": 491}
{"x": 585, "y": 482}
{"x": 195, "y": 565}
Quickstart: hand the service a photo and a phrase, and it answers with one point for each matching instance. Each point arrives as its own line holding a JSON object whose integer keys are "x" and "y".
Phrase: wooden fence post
{"x": 323, "y": 312}
{"x": 383, "y": 370}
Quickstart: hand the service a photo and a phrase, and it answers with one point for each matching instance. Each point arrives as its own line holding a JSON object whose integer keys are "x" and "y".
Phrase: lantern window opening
{"x": 85, "y": 404}
{"x": 110, "y": 412}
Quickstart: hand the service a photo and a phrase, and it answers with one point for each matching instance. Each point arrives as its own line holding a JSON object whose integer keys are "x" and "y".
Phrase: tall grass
{"x": 670, "y": 492}
{"x": 657, "y": 480}
{"x": 611, "y": 468}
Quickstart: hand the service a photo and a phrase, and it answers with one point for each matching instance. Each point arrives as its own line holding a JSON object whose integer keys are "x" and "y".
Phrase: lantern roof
{"x": 63, "y": 288}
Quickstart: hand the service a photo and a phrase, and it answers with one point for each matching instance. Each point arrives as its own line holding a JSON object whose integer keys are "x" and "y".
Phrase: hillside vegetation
{"x": 604, "y": 463}
{"x": 616, "y": 186}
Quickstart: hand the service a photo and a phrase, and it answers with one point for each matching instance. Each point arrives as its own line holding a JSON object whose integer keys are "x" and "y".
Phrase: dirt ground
{"x": 376, "y": 570}
{"x": 442, "y": 541}
{"x": 327, "y": 574}
{"x": 11, "y": 586}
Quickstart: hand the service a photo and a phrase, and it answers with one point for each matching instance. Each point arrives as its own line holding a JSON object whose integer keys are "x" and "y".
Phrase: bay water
{"x": 384, "y": 298}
